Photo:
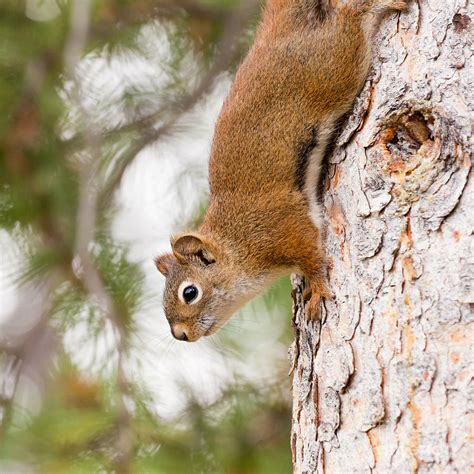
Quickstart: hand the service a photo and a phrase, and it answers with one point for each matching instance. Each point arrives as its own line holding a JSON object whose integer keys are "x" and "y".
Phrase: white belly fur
{"x": 314, "y": 170}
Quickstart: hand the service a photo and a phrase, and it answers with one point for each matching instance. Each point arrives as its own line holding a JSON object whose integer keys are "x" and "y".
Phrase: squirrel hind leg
{"x": 399, "y": 5}
{"x": 382, "y": 6}
{"x": 371, "y": 12}
{"x": 310, "y": 12}
{"x": 322, "y": 8}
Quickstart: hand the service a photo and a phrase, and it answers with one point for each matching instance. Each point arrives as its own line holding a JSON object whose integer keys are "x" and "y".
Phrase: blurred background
{"x": 107, "y": 113}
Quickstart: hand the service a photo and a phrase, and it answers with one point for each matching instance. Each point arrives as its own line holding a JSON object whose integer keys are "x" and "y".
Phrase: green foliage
{"x": 246, "y": 438}
{"x": 82, "y": 413}
{"x": 123, "y": 279}
{"x": 77, "y": 428}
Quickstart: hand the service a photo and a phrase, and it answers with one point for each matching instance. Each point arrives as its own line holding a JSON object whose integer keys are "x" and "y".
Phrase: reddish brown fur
{"x": 301, "y": 71}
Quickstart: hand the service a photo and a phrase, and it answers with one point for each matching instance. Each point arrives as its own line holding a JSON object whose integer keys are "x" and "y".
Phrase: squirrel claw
{"x": 313, "y": 308}
{"x": 312, "y": 297}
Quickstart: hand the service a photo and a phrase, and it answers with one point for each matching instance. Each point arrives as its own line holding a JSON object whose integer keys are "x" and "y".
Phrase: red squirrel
{"x": 301, "y": 76}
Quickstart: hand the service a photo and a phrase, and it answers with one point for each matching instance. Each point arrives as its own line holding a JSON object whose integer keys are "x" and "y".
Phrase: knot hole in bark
{"x": 408, "y": 154}
{"x": 461, "y": 22}
{"x": 405, "y": 136}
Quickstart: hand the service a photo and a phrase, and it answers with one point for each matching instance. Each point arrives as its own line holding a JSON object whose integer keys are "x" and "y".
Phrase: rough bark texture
{"x": 383, "y": 381}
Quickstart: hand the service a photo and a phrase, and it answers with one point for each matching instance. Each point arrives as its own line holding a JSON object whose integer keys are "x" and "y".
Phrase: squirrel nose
{"x": 179, "y": 331}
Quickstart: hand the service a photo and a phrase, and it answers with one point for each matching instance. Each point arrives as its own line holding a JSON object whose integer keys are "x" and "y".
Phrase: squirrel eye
{"x": 189, "y": 293}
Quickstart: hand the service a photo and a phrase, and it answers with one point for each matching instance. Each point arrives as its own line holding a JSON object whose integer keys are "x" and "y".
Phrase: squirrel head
{"x": 201, "y": 291}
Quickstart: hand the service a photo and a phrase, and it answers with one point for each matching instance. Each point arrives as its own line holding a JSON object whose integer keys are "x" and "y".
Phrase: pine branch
{"x": 234, "y": 24}
{"x": 86, "y": 228}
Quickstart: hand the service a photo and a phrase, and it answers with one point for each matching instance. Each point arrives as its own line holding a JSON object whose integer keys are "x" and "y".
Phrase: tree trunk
{"x": 382, "y": 381}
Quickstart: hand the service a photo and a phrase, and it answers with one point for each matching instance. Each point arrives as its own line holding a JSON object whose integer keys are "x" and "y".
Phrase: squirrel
{"x": 308, "y": 63}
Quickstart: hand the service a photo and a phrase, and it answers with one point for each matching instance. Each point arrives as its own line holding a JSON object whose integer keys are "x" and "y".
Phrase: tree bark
{"x": 383, "y": 381}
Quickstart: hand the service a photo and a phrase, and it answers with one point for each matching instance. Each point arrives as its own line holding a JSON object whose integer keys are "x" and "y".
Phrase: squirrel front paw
{"x": 312, "y": 295}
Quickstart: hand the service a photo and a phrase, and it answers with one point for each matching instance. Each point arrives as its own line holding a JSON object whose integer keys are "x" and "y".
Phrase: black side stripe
{"x": 328, "y": 151}
{"x": 337, "y": 129}
{"x": 303, "y": 153}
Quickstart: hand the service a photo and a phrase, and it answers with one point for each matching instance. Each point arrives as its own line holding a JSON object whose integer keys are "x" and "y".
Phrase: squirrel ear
{"x": 164, "y": 263}
{"x": 191, "y": 248}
